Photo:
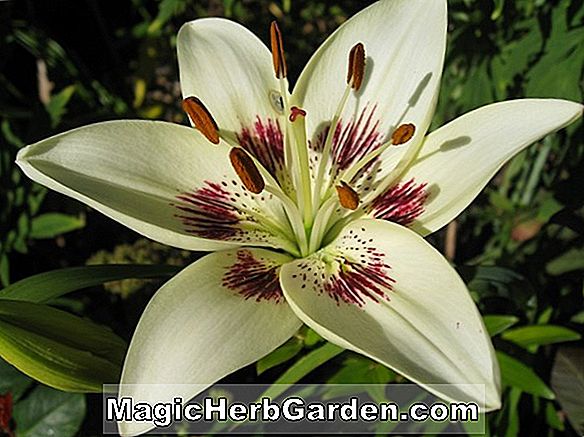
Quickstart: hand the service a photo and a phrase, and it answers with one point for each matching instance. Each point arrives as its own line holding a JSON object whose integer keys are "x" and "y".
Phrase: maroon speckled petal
{"x": 352, "y": 139}
{"x": 265, "y": 141}
{"x": 254, "y": 277}
{"x": 353, "y": 272}
{"x": 221, "y": 211}
{"x": 401, "y": 203}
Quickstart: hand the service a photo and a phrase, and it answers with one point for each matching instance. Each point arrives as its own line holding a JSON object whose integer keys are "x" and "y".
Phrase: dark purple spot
{"x": 401, "y": 204}
{"x": 254, "y": 278}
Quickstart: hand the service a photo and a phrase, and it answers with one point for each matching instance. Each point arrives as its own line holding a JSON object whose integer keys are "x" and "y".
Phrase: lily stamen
{"x": 278, "y": 51}
{"x": 201, "y": 118}
{"x": 247, "y": 171}
{"x": 355, "y": 74}
{"x": 348, "y": 197}
{"x": 403, "y": 134}
{"x": 356, "y": 69}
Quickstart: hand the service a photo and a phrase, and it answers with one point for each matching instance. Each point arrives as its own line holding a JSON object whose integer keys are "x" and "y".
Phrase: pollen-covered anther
{"x": 403, "y": 134}
{"x": 296, "y": 112}
{"x": 277, "y": 51}
{"x": 356, "y": 69}
{"x": 347, "y": 196}
{"x": 246, "y": 170}
{"x": 201, "y": 118}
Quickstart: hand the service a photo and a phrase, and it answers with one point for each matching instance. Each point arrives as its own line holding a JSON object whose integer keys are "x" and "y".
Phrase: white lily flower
{"x": 315, "y": 201}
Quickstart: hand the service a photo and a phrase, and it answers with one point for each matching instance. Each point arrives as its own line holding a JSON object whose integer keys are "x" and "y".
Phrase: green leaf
{"x": 513, "y": 413}
{"x": 578, "y": 318}
{"x": 567, "y": 262}
{"x": 496, "y": 324}
{"x": 499, "y": 5}
{"x": 568, "y": 383}
{"x": 562, "y": 60}
{"x": 52, "y": 224}
{"x": 312, "y": 338}
{"x": 49, "y": 285}
{"x": 284, "y": 353}
{"x": 48, "y": 412}
{"x": 166, "y": 10}
{"x": 13, "y": 381}
{"x": 4, "y": 269}
{"x": 516, "y": 374}
{"x": 367, "y": 374}
{"x": 59, "y": 349}
{"x": 58, "y": 103}
{"x": 301, "y": 368}
{"x": 361, "y": 370}
{"x": 538, "y": 335}
{"x": 552, "y": 417}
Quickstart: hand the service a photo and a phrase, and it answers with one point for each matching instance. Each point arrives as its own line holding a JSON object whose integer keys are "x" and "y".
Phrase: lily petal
{"x": 218, "y": 315}
{"x": 459, "y": 159}
{"x": 404, "y": 44}
{"x": 381, "y": 290}
{"x": 230, "y": 70}
{"x": 160, "y": 179}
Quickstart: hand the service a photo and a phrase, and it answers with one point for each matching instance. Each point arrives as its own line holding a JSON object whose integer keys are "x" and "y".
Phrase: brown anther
{"x": 347, "y": 196}
{"x": 403, "y": 134}
{"x": 246, "y": 170}
{"x": 277, "y": 51}
{"x": 296, "y": 112}
{"x": 356, "y": 66}
{"x": 201, "y": 118}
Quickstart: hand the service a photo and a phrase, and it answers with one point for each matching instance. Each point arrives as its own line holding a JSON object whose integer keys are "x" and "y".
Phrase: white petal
{"x": 458, "y": 159}
{"x": 405, "y": 43}
{"x": 229, "y": 69}
{"x": 196, "y": 330}
{"x": 144, "y": 174}
{"x": 389, "y": 295}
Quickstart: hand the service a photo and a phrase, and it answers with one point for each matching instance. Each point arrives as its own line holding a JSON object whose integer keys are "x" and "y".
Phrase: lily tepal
{"x": 315, "y": 202}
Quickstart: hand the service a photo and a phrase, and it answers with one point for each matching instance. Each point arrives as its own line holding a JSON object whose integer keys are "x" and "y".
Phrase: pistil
{"x": 304, "y": 193}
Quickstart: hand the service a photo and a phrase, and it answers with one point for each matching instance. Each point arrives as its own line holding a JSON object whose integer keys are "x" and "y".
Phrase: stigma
{"x": 296, "y": 112}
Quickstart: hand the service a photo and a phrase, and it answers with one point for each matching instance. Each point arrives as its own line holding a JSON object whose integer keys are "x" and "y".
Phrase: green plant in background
{"x": 519, "y": 247}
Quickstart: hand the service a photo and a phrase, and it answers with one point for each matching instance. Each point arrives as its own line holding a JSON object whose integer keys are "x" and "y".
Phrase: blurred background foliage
{"x": 520, "y": 246}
